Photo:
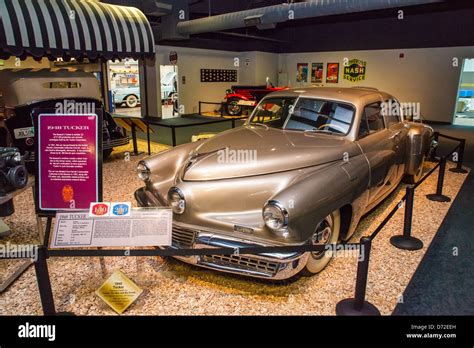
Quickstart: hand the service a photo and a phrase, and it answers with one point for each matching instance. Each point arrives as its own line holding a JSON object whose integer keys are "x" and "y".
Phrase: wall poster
{"x": 332, "y": 73}
{"x": 355, "y": 70}
{"x": 317, "y": 72}
{"x": 68, "y": 157}
{"x": 302, "y": 72}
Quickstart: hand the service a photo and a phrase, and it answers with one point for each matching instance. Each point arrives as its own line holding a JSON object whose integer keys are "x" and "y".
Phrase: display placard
{"x": 119, "y": 292}
{"x": 143, "y": 227}
{"x": 68, "y": 156}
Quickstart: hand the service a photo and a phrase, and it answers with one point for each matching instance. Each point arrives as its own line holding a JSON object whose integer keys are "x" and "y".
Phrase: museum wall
{"x": 266, "y": 66}
{"x": 423, "y": 75}
{"x": 253, "y": 68}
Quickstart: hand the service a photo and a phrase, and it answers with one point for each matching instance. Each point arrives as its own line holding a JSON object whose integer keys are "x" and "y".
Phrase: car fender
{"x": 236, "y": 95}
{"x": 420, "y": 138}
{"x": 165, "y": 166}
{"x": 311, "y": 198}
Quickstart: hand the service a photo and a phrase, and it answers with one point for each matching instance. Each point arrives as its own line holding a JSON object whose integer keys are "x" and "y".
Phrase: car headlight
{"x": 176, "y": 200}
{"x": 275, "y": 215}
{"x": 143, "y": 171}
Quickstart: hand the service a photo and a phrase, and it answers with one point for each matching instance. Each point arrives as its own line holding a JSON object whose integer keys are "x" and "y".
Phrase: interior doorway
{"x": 125, "y": 87}
{"x": 464, "y": 113}
{"x": 169, "y": 91}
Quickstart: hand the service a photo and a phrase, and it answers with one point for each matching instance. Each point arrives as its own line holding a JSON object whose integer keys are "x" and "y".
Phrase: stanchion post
{"x": 199, "y": 108}
{"x": 407, "y": 241}
{"x": 173, "y": 136}
{"x": 358, "y": 305}
{"x": 459, "y": 168}
{"x": 148, "y": 138}
{"x": 134, "y": 139}
{"x": 438, "y": 196}
{"x": 44, "y": 283}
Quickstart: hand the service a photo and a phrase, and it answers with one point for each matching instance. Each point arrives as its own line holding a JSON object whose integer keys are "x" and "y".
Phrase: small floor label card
{"x": 119, "y": 292}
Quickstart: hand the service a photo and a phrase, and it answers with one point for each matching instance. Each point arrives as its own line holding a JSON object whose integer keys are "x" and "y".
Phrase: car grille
{"x": 243, "y": 262}
{"x": 183, "y": 237}
{"x": 110, "y": 143}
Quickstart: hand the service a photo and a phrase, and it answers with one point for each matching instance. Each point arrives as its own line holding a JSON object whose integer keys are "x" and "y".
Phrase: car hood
{"x": 256, "y": 150}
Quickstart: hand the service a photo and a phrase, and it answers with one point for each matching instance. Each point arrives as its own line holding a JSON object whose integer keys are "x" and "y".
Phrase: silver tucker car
{"x": 305, "y": 167}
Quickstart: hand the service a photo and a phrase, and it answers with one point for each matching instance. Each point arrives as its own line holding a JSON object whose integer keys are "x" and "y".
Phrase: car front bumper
{"x": 275, "y": 266}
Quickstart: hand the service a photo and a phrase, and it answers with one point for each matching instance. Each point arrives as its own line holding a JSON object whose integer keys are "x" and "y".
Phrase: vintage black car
{"x": 64, "y": 91}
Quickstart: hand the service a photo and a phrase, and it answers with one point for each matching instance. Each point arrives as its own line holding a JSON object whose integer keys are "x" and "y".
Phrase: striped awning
{"x": 73, "y": 28}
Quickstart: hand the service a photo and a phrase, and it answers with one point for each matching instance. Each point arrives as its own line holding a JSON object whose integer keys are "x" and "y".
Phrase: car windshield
{"x": 305, "y": 114}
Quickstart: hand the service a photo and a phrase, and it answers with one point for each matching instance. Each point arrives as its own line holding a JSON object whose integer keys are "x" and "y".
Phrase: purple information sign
{"x": 68, "y": 159}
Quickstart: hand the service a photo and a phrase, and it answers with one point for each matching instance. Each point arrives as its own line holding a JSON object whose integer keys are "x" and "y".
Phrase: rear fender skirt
{"x": 420, "y": 138}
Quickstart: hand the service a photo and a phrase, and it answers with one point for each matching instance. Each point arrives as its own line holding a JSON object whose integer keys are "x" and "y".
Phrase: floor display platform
{"x": 173, "y": 288}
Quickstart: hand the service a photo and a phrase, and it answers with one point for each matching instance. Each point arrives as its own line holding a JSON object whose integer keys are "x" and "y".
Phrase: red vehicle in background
{"x": 238, "y": 97}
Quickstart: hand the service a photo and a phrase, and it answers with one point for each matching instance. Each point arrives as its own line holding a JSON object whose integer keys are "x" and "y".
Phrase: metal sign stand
{"x": 25, "y": 265}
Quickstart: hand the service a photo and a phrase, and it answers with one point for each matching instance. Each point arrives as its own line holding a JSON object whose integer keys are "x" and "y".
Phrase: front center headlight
{"x": 176, "y": 200}
{"x": 143, "y": 171}
{"x": 275, "y": 215}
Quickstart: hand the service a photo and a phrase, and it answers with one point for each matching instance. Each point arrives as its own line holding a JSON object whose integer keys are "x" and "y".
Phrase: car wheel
{"x": 413, "y": 179}
{"x": 131, "y": 101}
{"x": 233, "y": 107}
{"x": 327, "y": 232}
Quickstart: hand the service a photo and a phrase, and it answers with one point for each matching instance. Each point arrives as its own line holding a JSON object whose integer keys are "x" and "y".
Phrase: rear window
{"x": 62, "y": 84}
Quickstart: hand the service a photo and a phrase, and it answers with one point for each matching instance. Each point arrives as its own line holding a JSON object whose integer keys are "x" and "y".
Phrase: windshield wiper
{"x": 314, "y": 130}
{"x": 259, "y": 124}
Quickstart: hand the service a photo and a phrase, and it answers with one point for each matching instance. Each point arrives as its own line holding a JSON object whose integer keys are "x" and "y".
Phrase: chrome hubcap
{"x": 131, "y": 101}
{"x": 234, "y": 108}
{"x": 322, "y": 235}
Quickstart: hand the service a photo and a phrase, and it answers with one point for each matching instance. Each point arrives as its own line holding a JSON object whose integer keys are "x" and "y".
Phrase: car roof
{"x": 353, "y": 95}
{"x": 26, "y": 86}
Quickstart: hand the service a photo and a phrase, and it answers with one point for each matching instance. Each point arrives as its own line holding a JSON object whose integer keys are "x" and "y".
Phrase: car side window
{"x": 372, "y": 120}
{"x": 373, "y": 115}
{"x": 392, "y": 112}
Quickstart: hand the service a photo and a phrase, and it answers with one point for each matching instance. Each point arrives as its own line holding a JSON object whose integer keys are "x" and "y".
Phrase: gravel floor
{"x": 174, "y": 288}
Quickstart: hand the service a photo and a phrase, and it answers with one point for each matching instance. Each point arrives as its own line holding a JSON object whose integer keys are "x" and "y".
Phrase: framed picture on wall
{"x": 317, "y": 72}
{"x": 332, "y": 73}
{"x": 302, "y": 72}
{"x": 218, "y": 75}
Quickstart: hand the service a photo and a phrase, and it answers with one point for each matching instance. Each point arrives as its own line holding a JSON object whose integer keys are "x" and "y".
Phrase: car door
{"x": 399, "y": 134}
{"x": 378, "y": 146}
